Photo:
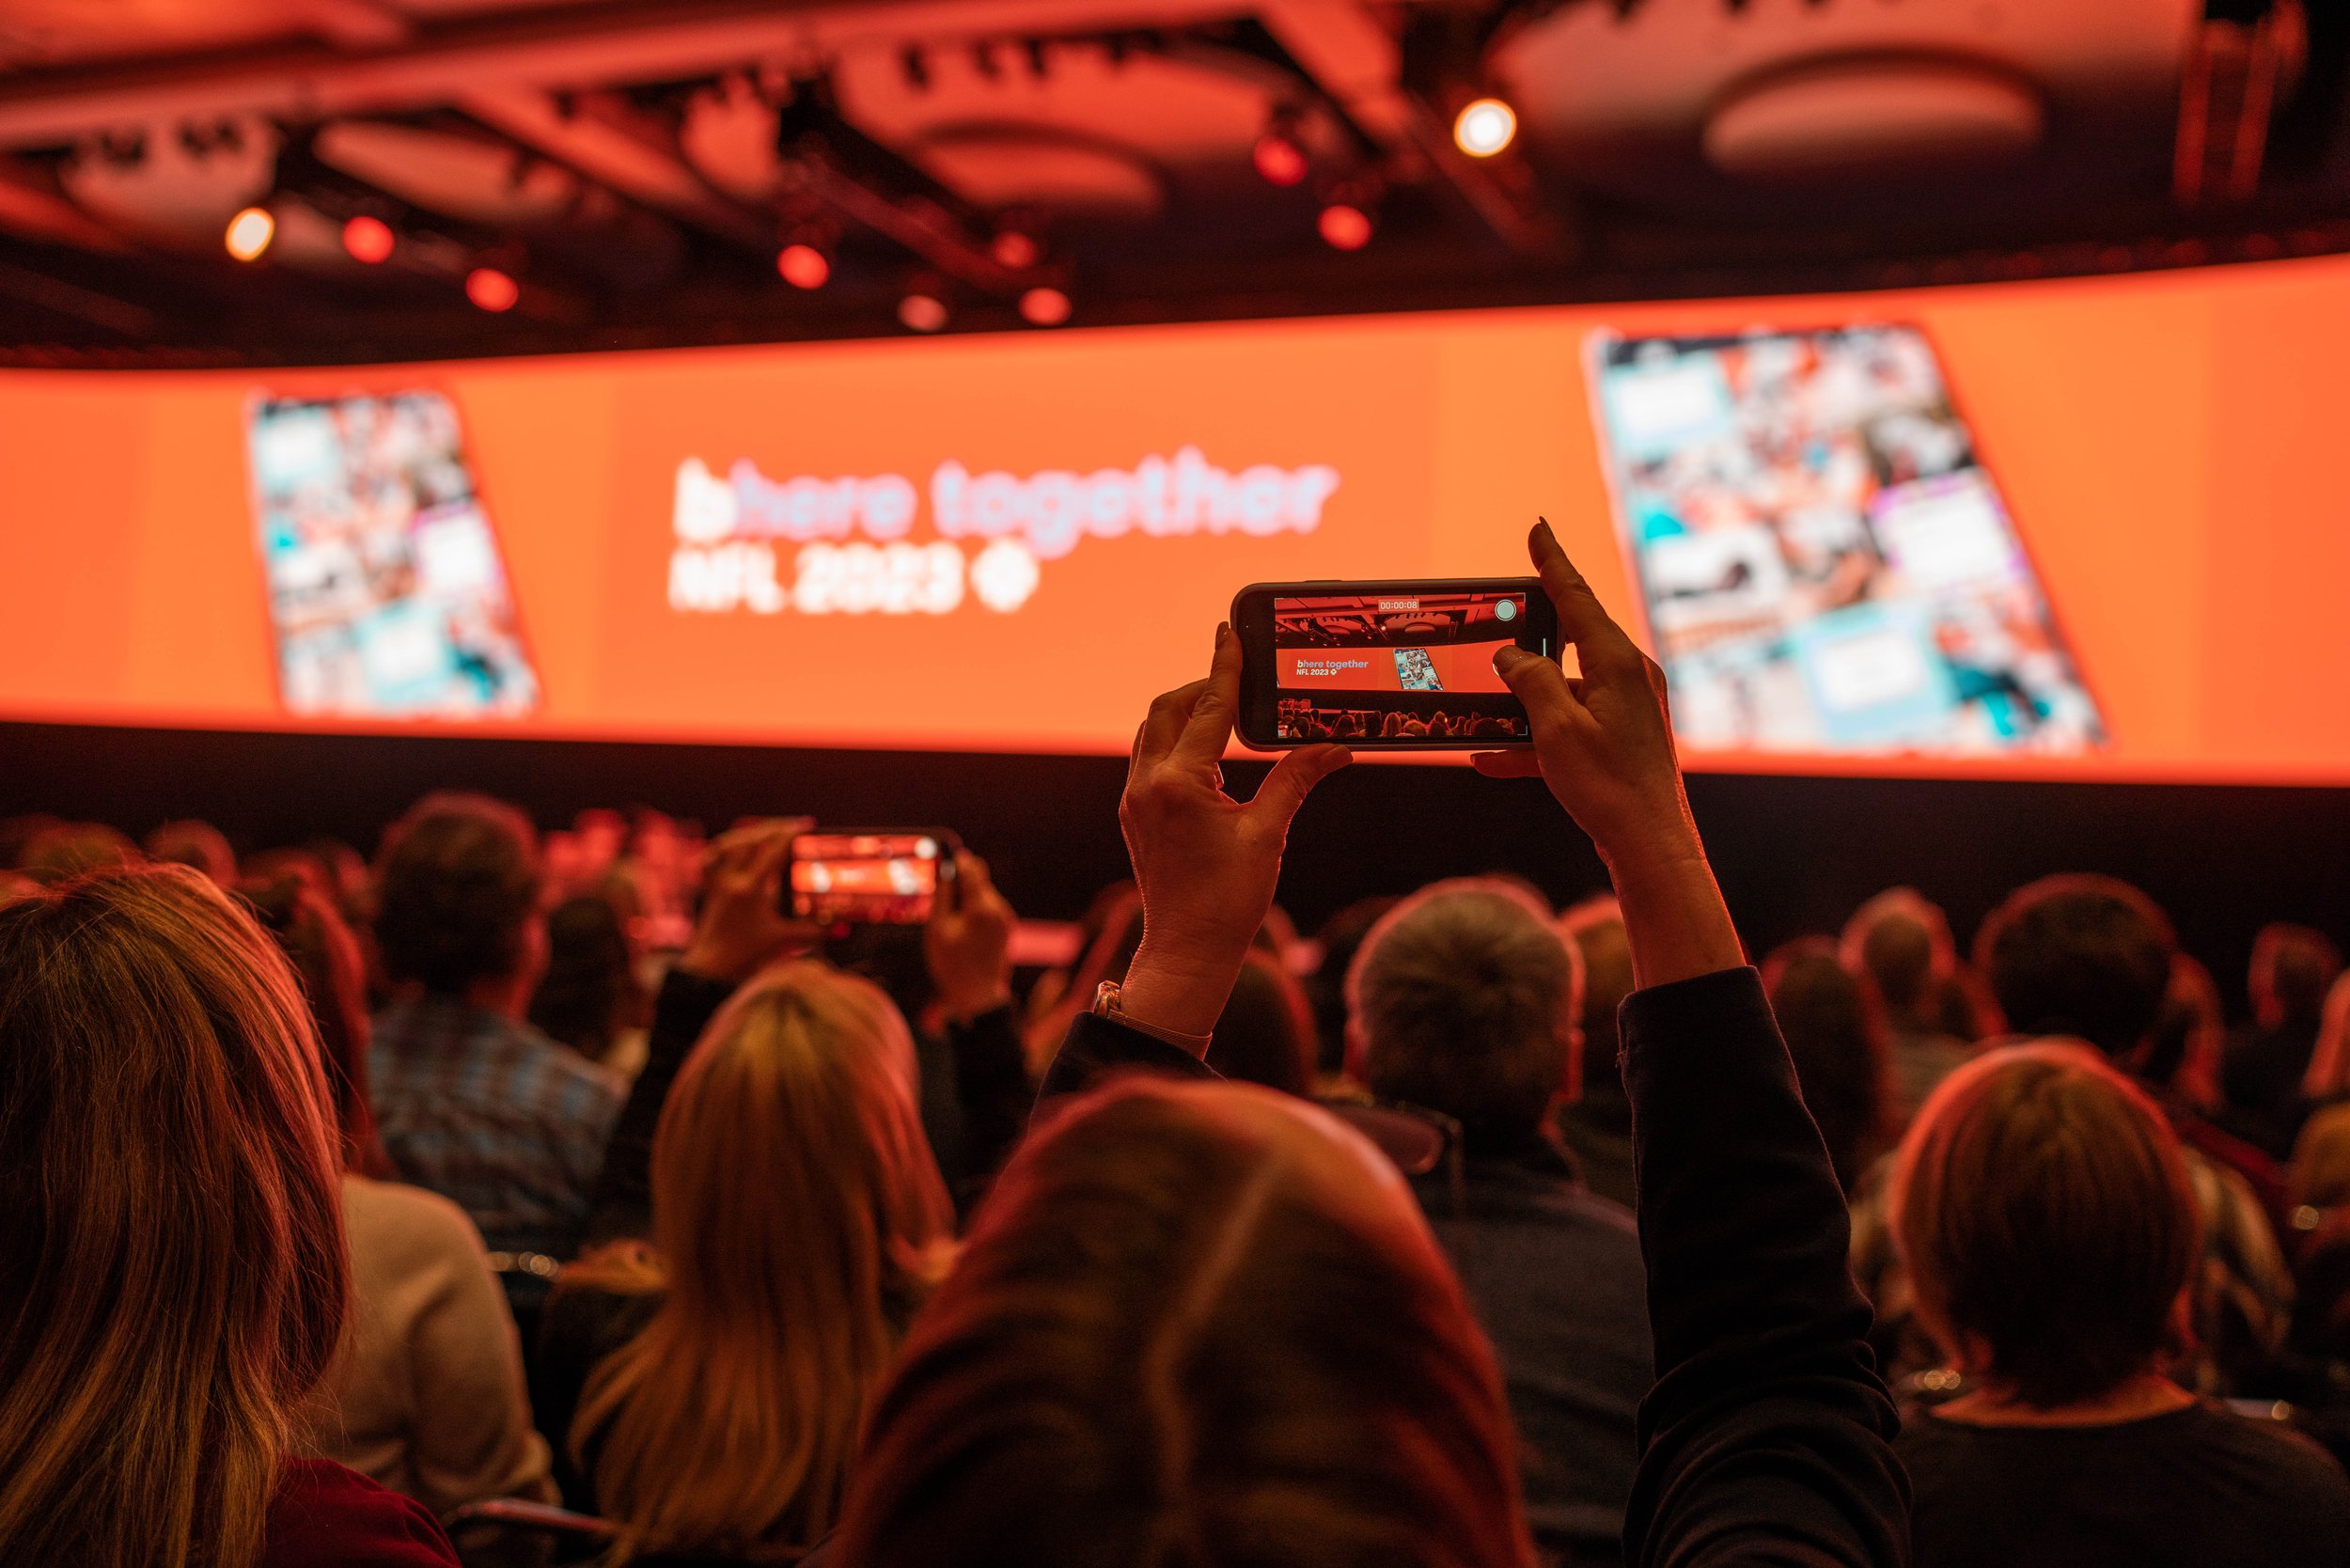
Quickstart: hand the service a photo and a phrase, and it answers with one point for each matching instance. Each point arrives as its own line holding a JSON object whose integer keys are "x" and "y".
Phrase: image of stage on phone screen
{"x": 1410, "y": 667}
{"x": 1826, "y": 564}
{"x": 388, "y": 594}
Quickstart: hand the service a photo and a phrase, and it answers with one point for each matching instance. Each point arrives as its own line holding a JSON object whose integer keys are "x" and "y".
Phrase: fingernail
{"x": 1223, "y": 631}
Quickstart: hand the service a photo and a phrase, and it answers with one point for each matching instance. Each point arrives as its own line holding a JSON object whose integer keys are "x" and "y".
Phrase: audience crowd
{"x": 512, "y": 1197}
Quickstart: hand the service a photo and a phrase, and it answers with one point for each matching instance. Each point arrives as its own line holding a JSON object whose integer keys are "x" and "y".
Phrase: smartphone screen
{"x": 870, "y": 878}
{"x": 1399, "y": 665}
{"x": 388, "y": 594}
{"x": 1825, "y": 564}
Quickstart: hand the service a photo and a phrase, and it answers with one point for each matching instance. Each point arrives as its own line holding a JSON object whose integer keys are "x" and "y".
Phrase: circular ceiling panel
{"x": 463, "y": 175}
{"x": 1862, "y": 116}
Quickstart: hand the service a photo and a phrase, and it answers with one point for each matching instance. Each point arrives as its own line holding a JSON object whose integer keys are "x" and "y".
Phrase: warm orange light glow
{"x": 1485, "y": 127}
{"x": 1280, "y": 160}
{"x": 249, "y": 233}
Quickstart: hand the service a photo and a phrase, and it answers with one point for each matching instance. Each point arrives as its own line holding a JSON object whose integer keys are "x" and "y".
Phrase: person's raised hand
{"x": 1603, "y": 739}
{"x": 1206, "y": 863}
{"x": 967, "y": 944}
{"x": 741, "y": 926}
{"x": 1603, "y": 743}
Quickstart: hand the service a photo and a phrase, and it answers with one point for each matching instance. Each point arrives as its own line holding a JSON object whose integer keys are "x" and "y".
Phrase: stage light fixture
{"x": 492, "y": 290}
{"x": 804, "y": 266}
{"x": 249, "y": 233}
{"x": 368, "y": 240}
{"x": 1278, "y": 158}
{"x": 1345, "y": 226}
{"x": 1015, "y": 250}
{"x": 1044, "y": 307}
{"x": 921, "y": 312}
{"x": 1485, "y": 127}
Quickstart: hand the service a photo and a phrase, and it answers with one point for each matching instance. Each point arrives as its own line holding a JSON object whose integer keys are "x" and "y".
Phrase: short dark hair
{"x": 2043, "y": 1207}
{"x": 457, "y": 887}
{"x": 2087, "y": 956}
{"x": 1835, "y": 1035}
{"x": 1266, "y": 1034}
{"x": 2293, "y": 966}
{"x": 1463, "y": 997}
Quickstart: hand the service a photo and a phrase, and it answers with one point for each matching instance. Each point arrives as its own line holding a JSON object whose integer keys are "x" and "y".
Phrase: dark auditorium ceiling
{"x": 637, "y": 166}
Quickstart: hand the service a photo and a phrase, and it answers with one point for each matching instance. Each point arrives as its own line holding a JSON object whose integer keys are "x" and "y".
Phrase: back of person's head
{"x": 171, "y": 1240}
{"x": 194, "y": 843}
{"x": 2183, "y": 1054}
{"x": 17, "y": 833}
{"x": 590, "y": 992}
{"x": 1463, "y": 999}
{"x": 798, "y": 1219}
{"x": 2043, "y": 1207}
{"x": 1903, "y": 944}
{"x": 1266, "y": 1034}
{"x": 2329, "y": 1073}
{"x": 2321, "y": 1159}
{"x": 1836, "y": 1038}
{"x": 2292, "y": 967}
{"x": 1604, "y": 948}
{"x": 2085, "y": 956}
{"x": 327, "y": 961}
{"x": 1200, "y": 1323}
{"x": 65, "y": 850}
{"x": 1340, "y": 938}
{"x": 457, "y": 893}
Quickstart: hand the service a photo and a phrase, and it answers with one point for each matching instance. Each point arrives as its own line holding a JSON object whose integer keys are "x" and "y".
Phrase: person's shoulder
{"x": 560, "y": 1063}
{"x": 407, "y": 1219}
{"x": 327, "y": 1516}
{"x": 2293, "y": 1461}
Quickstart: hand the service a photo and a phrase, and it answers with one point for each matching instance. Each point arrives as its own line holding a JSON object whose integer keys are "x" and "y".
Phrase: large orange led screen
{"x": 2072, "y": 529}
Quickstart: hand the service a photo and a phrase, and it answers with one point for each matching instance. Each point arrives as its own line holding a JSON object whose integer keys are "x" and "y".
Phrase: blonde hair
{"x": 171, "y": 1238}
{"x": 798, "y": 1218}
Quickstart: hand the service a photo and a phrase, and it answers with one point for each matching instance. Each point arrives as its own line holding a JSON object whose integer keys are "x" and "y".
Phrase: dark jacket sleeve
{"x": 992, "y": 1091}
{"x": 623, "y": 1205}
{"x": 1097, "y": 1048}
{"x": 1767, "y": 1438}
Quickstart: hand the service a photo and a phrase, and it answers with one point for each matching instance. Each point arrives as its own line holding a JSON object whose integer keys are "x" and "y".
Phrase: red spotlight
{"x": 1016, "y": 251}
{"x": 1280, "y": 160}
{"x": 492, "y": 290}
{"x": 922, "y": 312}
{"x": 1044, "y": 306}
{"x": 804, "y": 266}
{"x": 1345, "y": 227}
{"x": 368, "y": 240}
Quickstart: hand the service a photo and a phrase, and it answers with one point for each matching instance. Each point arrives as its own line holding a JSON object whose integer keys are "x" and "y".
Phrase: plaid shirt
{"x": 493, "y": 1116}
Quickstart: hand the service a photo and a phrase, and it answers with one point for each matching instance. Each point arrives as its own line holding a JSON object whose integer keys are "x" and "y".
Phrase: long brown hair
{"x": 172, "y": 1272}
{"x": 798, "y": 1218}
{"x": 1198, "y": 1324}
{"x": 332, "y": 971}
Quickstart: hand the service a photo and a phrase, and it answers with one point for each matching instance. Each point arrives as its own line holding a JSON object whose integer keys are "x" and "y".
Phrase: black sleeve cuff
{"x": 1097, "y": 1048}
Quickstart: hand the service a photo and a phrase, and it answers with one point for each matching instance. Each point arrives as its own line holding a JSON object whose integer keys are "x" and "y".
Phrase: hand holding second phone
{"x": 1602, "y": 742}
{"x": 741, "y": 926}
{"x": 967, "y": 944}
{"x": 1206, "y": 863}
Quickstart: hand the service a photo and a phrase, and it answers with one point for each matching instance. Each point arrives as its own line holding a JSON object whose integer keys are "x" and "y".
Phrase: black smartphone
{"x": 1404, "y": 664}
{"x": 866, "y": 876}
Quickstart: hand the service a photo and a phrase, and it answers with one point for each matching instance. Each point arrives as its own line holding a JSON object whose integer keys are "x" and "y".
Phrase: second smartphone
{"x": 869, "y": 876}
{"x": 1400, "y": 664}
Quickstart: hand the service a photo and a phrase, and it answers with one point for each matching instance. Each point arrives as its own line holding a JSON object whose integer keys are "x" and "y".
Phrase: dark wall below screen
{"x": 1795, "y": 854}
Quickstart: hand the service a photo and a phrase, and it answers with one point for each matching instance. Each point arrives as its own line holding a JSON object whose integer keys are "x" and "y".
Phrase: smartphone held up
{"x": 1393, "y": 665}
{"x": 869, "y": 876}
